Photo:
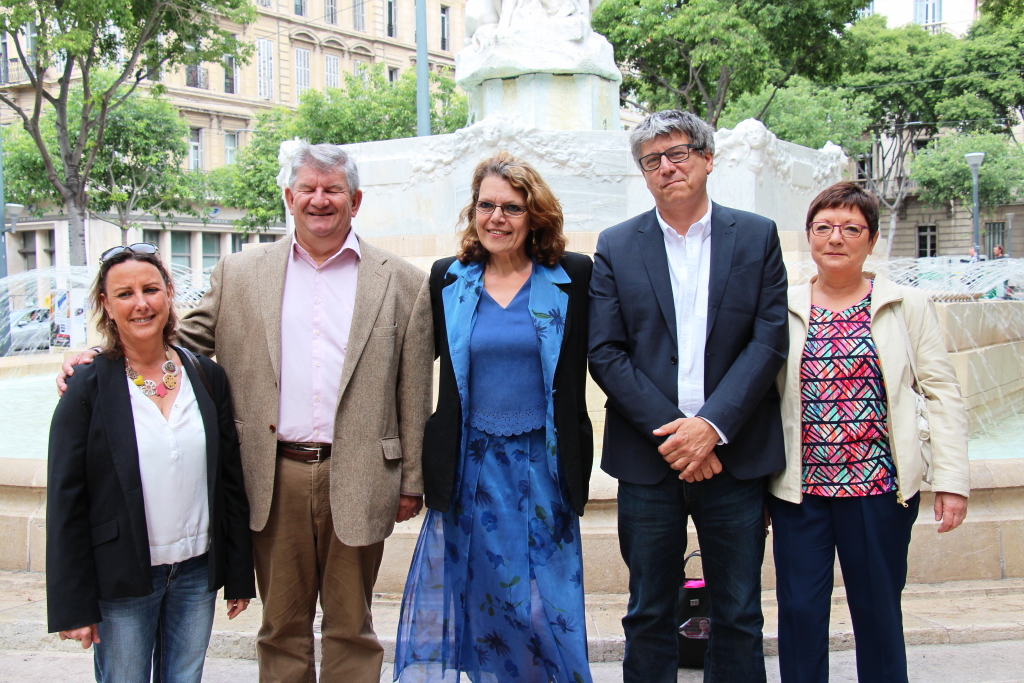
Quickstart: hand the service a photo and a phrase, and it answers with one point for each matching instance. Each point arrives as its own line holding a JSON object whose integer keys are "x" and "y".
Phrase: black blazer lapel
{"x": 723, "y": 241}
{"x": 652, "y": 248}
{"x": 208, "y": 410}
{"x": 119, "y": 425}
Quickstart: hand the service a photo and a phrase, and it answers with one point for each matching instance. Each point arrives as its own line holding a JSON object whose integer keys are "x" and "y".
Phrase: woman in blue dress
{"x": 496, "y": 585}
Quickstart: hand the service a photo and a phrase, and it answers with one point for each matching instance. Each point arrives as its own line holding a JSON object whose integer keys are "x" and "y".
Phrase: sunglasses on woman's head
{"x": 140, "y": 248}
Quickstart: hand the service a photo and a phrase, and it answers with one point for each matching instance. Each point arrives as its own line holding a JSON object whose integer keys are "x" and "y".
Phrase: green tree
{"x": 58, "y": 42}
{"x": 981, "y": 88}
{"x": 697, "y": 54}
{"x": 141, "y": 171}
{"x": 945, "y": 178}
{"x": 251, "y": 182}
{"x": 368, "y": 108}
{"x": 807, "y": 114}
{"x": 1003, "y": 10}
{"x": 895, "y": 68}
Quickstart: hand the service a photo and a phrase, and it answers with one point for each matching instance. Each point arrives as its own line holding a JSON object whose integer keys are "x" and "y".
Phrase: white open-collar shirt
{"x": 689, "y": 267}
{"x": 172, "y": 464}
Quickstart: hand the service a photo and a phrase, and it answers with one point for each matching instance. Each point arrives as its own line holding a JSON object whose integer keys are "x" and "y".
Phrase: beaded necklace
{"x": 148, "y": 386}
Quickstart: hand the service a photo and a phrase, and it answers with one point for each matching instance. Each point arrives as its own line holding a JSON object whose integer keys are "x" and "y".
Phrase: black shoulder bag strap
{"x": 194, "y": 362}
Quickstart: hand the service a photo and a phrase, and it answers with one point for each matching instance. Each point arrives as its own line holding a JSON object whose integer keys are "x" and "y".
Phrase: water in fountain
{"x": 986, "y": 337}
{"x": 27, "y": 393}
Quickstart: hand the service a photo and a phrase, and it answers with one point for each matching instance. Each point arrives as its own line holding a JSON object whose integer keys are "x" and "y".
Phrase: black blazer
{"x": 633, "y": 345}
{"x": 442, "y": 436}
{"x": 97, "y": 545}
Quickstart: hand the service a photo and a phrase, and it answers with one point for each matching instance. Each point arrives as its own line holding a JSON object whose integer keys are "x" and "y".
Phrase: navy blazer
{"x": 633, "y": 345}
{"x": 97, "y": 542}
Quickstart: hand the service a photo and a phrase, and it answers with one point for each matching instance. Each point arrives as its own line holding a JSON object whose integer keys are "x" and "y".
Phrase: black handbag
{"x": 693, "y": 615}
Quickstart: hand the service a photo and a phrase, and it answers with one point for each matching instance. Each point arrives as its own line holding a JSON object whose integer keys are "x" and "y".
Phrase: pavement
{"x": 969, "y": 631}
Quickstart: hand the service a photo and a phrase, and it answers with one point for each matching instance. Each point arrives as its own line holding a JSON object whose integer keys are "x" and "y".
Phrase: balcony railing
{"x": 12, "y": 72}
{"x": 197, "y": 77}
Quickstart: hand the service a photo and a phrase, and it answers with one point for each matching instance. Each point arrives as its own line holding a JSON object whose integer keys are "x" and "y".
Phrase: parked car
{"x": 30, "y": 329}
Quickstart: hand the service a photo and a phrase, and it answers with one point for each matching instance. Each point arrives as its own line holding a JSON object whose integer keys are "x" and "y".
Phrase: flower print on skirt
{"x": 496, "y": 585}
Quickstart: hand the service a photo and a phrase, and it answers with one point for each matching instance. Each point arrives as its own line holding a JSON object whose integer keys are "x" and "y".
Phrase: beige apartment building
{"x": 298, "y": 45}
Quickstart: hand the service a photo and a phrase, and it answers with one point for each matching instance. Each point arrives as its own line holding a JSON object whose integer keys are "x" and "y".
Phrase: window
{"x": 331, "y": 11}
{"x": 51, "y": 238}
{"x": 446, "y": 28}
{"x": 359, "y": 67}
{"x": 301, "y": 72}
{"x": 264, "y": 69}
{"x": 197, "y": 77}
{"x": 211, "y": 249}
{"x": 263, "y": 3}
{"x": 265, "y": 238}
{"x": 181, "y": 249}
{"x": 391, "y": 10}
{"x": 392, "y": 74}
{"x": 928, "y": 13}
{"x": 195, "y": 149}
{"x": 995, "y": 233}
{"x": 230, "y": 75}
{"x": 332, "y": 71}
{"x": 927, "y": 242}
{"x": 237, "y": 240}
{"x": 230, "y": 148}
{"x": 151, "y": 236}
{"x": 28, "y": 249}
{"x": 359, "y": 15}
{"x": 300, "y": 8}
{"x": 866, "y": 11}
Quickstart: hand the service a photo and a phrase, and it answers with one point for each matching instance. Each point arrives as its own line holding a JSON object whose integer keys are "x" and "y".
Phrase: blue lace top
{"x": 506, "y": 382}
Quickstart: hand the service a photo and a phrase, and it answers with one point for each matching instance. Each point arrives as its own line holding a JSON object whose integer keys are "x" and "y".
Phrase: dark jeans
{"x": 871, "y": 535}
{"x": 169, "y": 628}
{"x": 729, "y": 516}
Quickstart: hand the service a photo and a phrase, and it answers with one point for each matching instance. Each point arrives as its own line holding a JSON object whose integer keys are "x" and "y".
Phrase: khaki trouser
{"x": 298, "y": 557}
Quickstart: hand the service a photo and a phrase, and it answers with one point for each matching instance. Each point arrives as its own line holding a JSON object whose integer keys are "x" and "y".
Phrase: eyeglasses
{"x": 848, "y": 230}
{"x": 677, "y": 155}
{"x": 509, "y": 210}
{"x": 140, "y": 248}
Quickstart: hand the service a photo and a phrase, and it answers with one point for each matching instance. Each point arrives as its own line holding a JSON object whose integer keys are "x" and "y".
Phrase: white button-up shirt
{"x": 172, "y": 463}
{"x": 689, "y": 266}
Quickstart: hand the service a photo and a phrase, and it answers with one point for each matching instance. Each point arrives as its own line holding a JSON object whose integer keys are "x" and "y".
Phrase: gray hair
{"x": 324, "y": 158}
{"x": 662, "y": 123}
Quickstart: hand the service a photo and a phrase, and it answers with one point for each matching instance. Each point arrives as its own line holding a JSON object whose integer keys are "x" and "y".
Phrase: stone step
{"x": 952, "y": 612}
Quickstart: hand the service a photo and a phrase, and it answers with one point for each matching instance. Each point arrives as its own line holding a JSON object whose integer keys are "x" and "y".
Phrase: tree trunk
{"x": 76, "y": 230}
{"x": 894, "y": 217}
{"x": 124, "y": 236}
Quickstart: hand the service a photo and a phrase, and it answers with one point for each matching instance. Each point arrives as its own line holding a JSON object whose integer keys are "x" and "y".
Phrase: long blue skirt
{"x": 496, "y": 584}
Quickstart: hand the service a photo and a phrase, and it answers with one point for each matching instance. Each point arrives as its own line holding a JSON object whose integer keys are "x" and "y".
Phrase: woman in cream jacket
{"x": 856, "y": 452}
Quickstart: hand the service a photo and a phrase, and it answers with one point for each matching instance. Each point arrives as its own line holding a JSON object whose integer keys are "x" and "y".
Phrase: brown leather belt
{"x": 304, "y": 452}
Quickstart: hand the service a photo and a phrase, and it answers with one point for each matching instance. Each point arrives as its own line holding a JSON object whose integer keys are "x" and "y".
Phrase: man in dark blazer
{"x": 687, "y": 333}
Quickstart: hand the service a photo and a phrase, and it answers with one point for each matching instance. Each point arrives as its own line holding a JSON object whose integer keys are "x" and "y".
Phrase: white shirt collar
{"x": 701, "y": 228}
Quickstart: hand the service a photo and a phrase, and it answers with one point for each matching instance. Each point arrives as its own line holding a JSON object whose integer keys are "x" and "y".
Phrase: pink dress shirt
{"x": 316, "y": 315}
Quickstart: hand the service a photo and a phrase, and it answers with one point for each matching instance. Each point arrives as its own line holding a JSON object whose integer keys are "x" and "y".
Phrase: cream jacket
{"x": 949, "y": 470}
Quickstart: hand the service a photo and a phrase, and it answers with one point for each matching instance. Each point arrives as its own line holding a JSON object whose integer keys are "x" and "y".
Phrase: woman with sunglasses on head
{"x": 866, "y": 363}
{"x": 496, "y": 585}
{"x": 146, "y": 513}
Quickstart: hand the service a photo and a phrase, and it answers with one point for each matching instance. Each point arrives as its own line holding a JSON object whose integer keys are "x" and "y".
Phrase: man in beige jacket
{"x": 327, "y": 342}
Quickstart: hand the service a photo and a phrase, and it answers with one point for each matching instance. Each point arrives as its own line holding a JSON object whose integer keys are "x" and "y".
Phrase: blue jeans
{"x": 168, "y": 629}
{"x": 871, "y": 535}
{"x": 729, "y": 516}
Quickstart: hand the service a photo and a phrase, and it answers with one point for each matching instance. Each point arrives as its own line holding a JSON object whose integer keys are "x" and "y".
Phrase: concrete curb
{"x": 31, "y": 635}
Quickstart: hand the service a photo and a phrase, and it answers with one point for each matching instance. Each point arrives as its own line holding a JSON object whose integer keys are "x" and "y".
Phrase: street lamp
{"x": 974, "y": 160}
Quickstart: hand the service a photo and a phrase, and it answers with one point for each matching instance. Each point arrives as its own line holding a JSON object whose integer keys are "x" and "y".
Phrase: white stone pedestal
{"x": 549, "y": 101}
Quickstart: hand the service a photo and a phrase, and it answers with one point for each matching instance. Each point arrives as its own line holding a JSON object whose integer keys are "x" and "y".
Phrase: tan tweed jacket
{"x": 383, "y": 399}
